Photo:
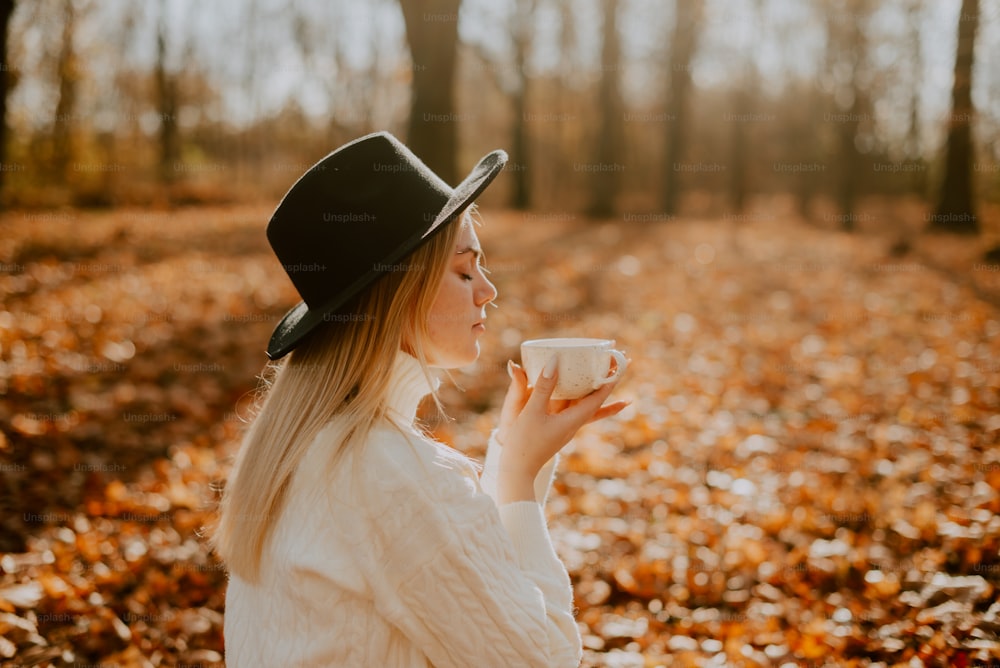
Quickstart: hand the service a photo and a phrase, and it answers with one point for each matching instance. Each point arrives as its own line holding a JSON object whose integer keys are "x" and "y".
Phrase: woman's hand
{"x": 534, "y": 427}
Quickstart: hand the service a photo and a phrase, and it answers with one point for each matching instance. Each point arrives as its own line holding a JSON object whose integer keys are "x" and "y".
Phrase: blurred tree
{"x": 139, "y": 104}
{"x": 362, "y": 90}
{"x": 68, "y": 76}
{"x": 683, "y": 42}
{"x": 510, "y": 76}
{"x": 609, "y": 130}
{"x": 847, "y": 57}
{"x": 432, "y": 33}
{"x": 322, "y": 57}
{"x": 363, "y": 85}
{"x": 555, "y": 143}
{"x": 802, "y": 141}
{"x": 914, "y": 11}
{"x": 6, "y": 9}
{"x": 955, "y": 210}
{"x": 744, "y": 99}
{"x": 522, "y": 35}
{"x": 167, "y": 103}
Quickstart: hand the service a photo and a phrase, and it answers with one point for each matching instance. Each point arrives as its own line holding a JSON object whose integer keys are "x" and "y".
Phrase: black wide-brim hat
{"x": 352, "y": 217}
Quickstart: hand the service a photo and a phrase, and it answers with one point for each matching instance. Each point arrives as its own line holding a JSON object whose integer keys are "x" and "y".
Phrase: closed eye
{"x": 478, "y": 265}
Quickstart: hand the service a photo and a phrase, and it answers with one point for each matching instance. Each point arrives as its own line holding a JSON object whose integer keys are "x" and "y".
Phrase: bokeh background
{"x": 787, "y": 212}
{"x": 606, "y": 107}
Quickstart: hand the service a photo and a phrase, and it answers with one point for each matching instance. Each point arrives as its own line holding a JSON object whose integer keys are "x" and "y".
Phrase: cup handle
{"x": 621, "y": 365}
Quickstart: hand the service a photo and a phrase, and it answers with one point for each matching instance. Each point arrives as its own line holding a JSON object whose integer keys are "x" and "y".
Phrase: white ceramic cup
{"x": 584, "y": 364}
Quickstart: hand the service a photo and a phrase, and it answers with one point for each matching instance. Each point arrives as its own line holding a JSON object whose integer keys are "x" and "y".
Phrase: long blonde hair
{"x": 342, "y": 369}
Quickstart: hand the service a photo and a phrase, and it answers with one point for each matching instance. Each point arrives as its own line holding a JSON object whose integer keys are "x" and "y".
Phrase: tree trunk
{"x": 605, "y": 169}
{"x": 521, "y": 193}
{"x": 556, "y": 144}
{"x": 62, "y": 150}
{"x": 956, "y": 210}
{"x": 682, "y": 47}
{"x": 848, "y": 165}
{"x": 913, "y": 144}
{"x": 522, "y": 37}
{"x": 848, "y": 52}
{"x": 6, "y": 9}
{"x": 738, "y": 151}
{"x": 166, "y": 90}
{"x": 744, "y": 104}
{"x": 802, "y": 142}
{"x": 432, "y": 33}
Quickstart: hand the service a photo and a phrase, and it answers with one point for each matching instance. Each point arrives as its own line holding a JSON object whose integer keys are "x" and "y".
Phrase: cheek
{"x": 448, "y": 305}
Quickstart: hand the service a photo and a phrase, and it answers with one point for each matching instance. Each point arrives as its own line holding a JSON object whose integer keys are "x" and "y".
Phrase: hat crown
{"x": 351, "y": 210}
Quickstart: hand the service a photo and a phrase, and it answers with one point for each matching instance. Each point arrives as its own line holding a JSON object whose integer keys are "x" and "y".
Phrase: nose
{"x": 485, "y": 292}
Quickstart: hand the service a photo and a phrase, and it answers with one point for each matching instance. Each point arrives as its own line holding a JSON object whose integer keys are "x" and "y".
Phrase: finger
{"x": 557, "y": 405}
{"x": 517, "y": 392}
{"x": 523, "y": 387}
{"x": 518, "y": 374}
{"x": 608, "y": 411}
{"x": 583, "y": 408}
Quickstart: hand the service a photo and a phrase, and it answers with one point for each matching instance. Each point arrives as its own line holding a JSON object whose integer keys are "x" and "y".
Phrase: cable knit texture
{"x": 401, "y": 558}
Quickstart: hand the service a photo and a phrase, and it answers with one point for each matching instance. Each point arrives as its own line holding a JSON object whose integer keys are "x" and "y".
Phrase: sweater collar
{"x": 407, "y": 387}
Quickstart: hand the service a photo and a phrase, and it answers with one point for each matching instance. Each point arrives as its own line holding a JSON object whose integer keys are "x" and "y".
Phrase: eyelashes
{"x": 468, "y": 277}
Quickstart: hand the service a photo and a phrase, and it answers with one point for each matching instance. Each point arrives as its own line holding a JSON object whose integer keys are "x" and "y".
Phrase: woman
{"x": 351, "y": 537}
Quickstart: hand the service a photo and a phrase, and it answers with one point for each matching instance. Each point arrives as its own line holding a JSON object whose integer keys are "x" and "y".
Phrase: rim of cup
{"x": 567, "y": 342}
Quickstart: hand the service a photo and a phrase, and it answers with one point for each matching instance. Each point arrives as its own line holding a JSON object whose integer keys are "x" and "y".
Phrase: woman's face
{"x": 455, "y": 321}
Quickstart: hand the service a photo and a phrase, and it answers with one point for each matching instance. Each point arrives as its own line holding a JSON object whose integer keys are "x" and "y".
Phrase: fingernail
{"x": 510, "y": 369}
{"x": 549, "y": 369}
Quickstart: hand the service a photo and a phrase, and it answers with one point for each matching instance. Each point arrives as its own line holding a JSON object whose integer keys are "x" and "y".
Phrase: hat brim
{"x": 300, "y": 319}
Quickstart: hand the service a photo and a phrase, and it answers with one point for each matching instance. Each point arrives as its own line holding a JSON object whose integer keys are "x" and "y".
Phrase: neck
{"x": 408, "y": 386}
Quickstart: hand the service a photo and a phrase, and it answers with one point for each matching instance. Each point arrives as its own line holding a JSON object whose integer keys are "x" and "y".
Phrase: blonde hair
{"x": 342, "y": 369}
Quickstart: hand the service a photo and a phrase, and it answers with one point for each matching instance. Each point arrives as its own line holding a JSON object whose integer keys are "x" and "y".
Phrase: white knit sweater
{"x": 401, "y": 558}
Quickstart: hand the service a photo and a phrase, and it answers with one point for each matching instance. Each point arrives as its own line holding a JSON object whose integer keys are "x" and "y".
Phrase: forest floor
{"x": 808, "y": 474}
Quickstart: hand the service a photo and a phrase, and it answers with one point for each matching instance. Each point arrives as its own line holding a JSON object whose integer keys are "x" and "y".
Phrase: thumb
{"x": 545, "y": 385}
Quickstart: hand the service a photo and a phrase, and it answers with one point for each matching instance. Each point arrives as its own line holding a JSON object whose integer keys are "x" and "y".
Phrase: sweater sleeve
{"x": 543, "y": 481}
{"x": 466, "y": 582}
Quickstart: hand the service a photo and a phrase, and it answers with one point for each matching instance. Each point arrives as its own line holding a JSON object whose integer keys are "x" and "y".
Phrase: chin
{"x": 468, "y": 358}
{"x": 456, "y": 359}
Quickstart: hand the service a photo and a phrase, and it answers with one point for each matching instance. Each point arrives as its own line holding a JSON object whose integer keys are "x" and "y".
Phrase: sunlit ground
{"x": 808, "y": 472}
